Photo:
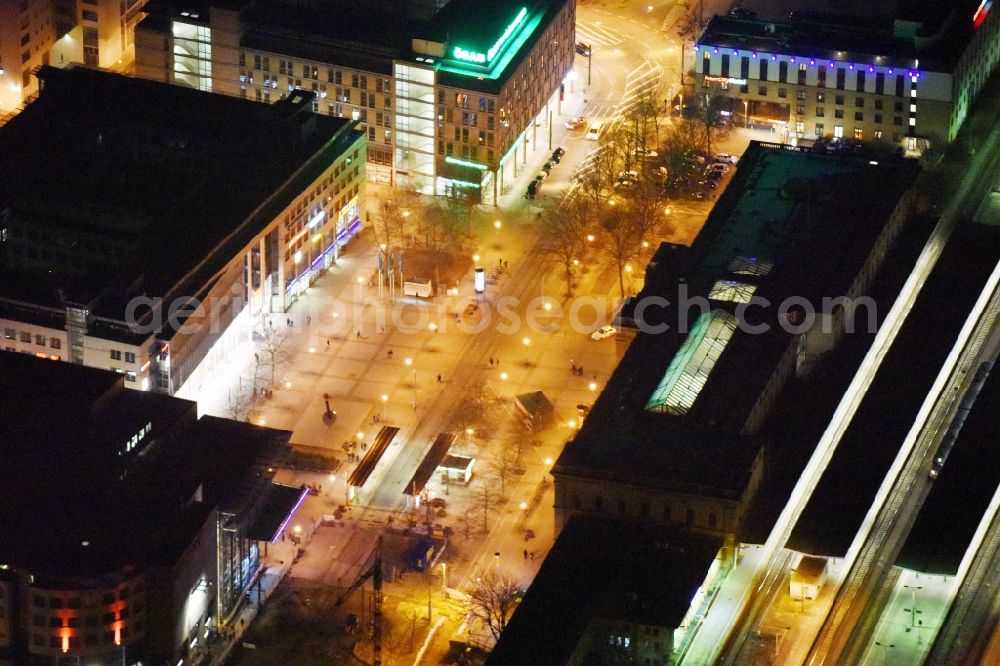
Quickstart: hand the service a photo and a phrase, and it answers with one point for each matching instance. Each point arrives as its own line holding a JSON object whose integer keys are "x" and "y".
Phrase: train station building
{"x": 450, "y": 95}
{"x": 680, "y": 434}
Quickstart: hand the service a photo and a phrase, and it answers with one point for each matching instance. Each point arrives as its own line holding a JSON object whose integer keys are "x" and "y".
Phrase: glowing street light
{"x": 361, "y": 436}
{"x": 592, "y": 386}
{"x": 590, "y": 238}
{"x": 361, "y": 280}
{"x": 409, "y": 363}
{"x": 475, "y": 258}
{"x": 526, "y": 341}
{"x": 497, "y": 225}
{"x": 503, "y": 376}
{"x": 523, "y": 506}
{"x": 385, "y": 399}
{"x": 548, "y": 462}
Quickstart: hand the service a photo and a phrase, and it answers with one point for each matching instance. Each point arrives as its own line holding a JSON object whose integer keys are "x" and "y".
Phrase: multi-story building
{"x": 767, "y": 288}
{"x": 161, "y": 195}
{"x": 905, "y": 80}
{"x": 449, "y": 97}
{"x": 130, "y": 529}
{"x": 33, "y": 33}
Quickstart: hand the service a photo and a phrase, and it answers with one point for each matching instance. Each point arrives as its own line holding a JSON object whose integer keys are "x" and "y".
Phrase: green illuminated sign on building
{"x": 481, "y": 58}
{"x": 468, "y": 56}
{"x": 467, "y": 163}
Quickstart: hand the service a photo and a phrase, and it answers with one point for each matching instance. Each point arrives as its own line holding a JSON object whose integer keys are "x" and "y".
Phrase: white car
{"x": 646, "y": 153}
{"x": 603, "y": 332}
{"x": 726, "y": 157}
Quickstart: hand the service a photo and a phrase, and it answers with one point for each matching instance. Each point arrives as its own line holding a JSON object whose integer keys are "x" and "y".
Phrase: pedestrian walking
{"x": 439, "y": 379}
{"x": 309, "y": 320}
{"x": 328, "y": 343}
{"x": 491, "y": 361}
{"x": 525, "y": 553}
{"x": 390, "y": 353}
{"x": 359, "y": 334}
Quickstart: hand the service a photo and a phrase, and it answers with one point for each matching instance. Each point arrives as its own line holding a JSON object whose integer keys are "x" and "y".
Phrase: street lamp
{"x": 592, "y": 386}
{"x": 746, "y": 113}
{"x": 385, "y": 399}
{"x": 913, "y": 603}
{"x": 409, "y": 363}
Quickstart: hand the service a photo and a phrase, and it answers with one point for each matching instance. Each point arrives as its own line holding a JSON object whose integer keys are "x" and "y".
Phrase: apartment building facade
{"x": 447, "y": 97}
{"x": 34, "y": 33}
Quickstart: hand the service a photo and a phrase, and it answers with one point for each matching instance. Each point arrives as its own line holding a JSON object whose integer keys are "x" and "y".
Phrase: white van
{"x": 594, "y": 133}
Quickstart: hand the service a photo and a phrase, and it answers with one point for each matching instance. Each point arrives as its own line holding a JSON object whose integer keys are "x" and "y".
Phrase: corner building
{"x": 905, "y": 76}
{"x": 450, "y": 94}
{"x": 162, "y": 196}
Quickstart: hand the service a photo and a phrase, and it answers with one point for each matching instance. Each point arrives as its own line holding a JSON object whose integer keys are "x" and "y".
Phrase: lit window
{"x": 750, "y": 266}
{"x": 732, "y": 291}
{"x": 691, "y": 365}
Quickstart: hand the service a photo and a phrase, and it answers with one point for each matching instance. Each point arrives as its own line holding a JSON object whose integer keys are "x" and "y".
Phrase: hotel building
{"x": 449, "y": 94}
{"x": 160, "y": 195}
{"x": 906, "y": 80}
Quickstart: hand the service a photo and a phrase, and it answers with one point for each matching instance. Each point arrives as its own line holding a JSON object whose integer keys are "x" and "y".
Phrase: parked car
{"x": 603, "y": 332}
{"x": 725, "y": 157}
{"x": 557, "y": 154}
{"x": 719, "y": 168}
{"x": 576, "y": 122}
{"x": 646, "y": 154}
{"x": 742, "y": 12}
{"x": 583, "y": 49}
{"x": 533, "y": 188}
{"x": 626, "y": 179}
{"x": 547, "y": 167}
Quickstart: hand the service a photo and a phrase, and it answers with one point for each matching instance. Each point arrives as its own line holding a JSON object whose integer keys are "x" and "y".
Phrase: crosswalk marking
{"x": 596, "y": 34}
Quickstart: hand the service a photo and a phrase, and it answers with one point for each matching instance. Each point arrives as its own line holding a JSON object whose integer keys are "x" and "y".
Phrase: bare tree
{"x": 485, "y": 495}
{"x": 396, "y": 214}
{"x": 493, "y": 599}
{"x": 563, "y": 236}
{"x": 708, "y": 113}
{"x": 502, "y": 464}
{"x": 597, "y": 175}
{"x": 683, "y": 141}
{"x": 467, "y": 523}
{"x": 621, "y": 239}
{"x": 274, "y": 353}
{"x": 479, "y": 409}
{"x": 239, "y": 403}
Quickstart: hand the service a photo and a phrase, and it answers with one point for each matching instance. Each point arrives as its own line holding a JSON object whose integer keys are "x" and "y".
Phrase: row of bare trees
{"x": 619, "y": 208}
{"x": 273, "y": 353}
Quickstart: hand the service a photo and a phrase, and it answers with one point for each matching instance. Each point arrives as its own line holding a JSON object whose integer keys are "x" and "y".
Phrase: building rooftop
{"x": 601, "y": 569}
{"x": 97, "y": 477}
{"x": 175, "y": 179}
{"x": 900, "y": 33}
{"x": 831, "y": 518}
{"x": 968, "y": 481}
{"x": 371, "y": 35}
{"x": 673, "y": 412}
